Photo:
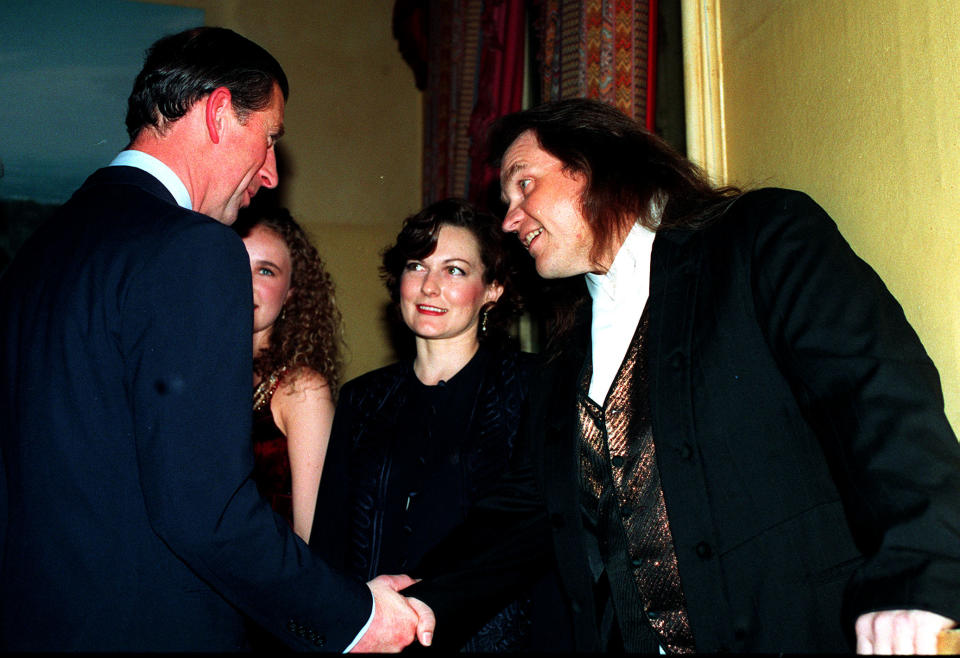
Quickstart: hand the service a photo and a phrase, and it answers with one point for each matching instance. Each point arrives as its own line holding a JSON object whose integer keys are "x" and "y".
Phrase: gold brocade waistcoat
{"x": 624, "y": 506}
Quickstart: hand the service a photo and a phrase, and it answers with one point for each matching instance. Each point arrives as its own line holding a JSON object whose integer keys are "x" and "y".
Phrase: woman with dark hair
{"x": 416, "y": 443}
{"x": 296, "y": 365}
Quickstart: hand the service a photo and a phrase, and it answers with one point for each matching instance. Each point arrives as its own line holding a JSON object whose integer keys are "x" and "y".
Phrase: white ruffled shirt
{"x": 619, "y": 297}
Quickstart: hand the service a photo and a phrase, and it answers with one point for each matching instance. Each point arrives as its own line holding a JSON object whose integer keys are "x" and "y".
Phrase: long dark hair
{"x": 182, "y": 68}
{"x": 418, "y": 239}
{"x": 309, "y": 332}
{"x": 631, "y": 175}
{"x": 628, "y": 169}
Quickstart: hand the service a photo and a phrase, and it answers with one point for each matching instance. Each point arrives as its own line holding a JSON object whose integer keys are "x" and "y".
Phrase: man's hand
{"x": 900, "y": 631}
{"x": 396, "y": 620}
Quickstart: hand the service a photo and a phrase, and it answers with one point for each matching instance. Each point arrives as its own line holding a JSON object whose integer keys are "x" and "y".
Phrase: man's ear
{"x": 218, "y": 104}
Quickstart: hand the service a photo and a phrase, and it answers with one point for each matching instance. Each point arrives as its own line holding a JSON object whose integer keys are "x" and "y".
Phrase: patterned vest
{"x": 630, "y": 542}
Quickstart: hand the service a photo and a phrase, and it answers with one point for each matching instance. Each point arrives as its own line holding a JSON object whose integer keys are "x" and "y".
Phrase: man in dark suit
{"x": 739, "y": 442}
{"x": 128, "y": 519}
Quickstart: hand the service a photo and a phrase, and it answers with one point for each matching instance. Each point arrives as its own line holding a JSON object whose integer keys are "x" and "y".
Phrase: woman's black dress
{"x": 407, "y": 461}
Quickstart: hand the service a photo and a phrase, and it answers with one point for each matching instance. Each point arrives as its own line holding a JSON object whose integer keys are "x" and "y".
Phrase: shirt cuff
{"x": 373, "y": 611}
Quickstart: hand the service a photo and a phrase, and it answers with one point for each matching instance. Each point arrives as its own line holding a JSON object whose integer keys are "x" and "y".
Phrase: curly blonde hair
{"x": 308, "y": 332}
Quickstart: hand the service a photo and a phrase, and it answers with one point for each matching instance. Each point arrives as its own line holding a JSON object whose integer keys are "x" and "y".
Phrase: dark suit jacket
{"x": 808, "y": 469}
{"x": 131, "y": 520}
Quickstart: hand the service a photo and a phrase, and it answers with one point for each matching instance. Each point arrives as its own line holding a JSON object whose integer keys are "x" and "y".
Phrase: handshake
{"x": 397, "y": 620}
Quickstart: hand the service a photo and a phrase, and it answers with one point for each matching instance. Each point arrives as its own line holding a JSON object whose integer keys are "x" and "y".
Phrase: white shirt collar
{"x": 630, "y": 267}
{"x": 157, "y": 169}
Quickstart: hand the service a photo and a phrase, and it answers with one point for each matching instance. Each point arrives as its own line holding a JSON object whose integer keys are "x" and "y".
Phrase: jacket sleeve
{"x": 186, "y": 339}
{"x": 503, "y": 547}
{"x": 873, "y": 396}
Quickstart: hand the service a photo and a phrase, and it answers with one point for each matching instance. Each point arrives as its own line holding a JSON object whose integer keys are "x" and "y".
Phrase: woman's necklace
{"x": 266, "y": 388}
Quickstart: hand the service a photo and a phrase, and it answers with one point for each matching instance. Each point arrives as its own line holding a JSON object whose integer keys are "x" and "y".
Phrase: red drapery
{"x": 499, "y": 88}
{"x": 468, "y": 58}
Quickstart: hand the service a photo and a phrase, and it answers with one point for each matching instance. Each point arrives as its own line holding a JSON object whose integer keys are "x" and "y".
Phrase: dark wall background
{"x": 66, "y": 69}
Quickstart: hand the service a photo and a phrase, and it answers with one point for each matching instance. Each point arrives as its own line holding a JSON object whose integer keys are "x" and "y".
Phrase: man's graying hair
{"x": 183, "y": 68}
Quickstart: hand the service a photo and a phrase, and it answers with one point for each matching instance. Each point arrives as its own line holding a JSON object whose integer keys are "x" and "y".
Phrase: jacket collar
{"x": 123, "y": 175}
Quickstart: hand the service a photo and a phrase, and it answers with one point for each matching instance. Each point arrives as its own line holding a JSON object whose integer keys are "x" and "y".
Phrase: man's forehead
{"x": 516, "y": 156}
{"x": 511, "y": 169}
{"x": 523, "y": 143}
{"x": 278, "y": 105}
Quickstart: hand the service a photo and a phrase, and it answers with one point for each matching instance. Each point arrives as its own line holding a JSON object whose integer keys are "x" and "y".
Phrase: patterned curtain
{"x": 603, "y": 49}
{"x": 467, "y": 57}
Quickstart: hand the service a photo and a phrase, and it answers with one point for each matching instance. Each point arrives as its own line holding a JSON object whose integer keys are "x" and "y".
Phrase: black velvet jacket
{"x": 405, "y": 463}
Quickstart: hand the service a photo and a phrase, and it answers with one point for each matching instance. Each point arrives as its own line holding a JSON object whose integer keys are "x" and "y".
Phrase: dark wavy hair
{"x": 627, "y": 168}
{"x": 418, "y": 239}
{"x": 180, "y": 69}
{"x": 309, "y": 332}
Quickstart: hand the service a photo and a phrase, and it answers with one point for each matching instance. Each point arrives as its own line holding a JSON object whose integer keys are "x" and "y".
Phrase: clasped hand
{"x": 900, "y": 632}
{"x": 397, "y": 619}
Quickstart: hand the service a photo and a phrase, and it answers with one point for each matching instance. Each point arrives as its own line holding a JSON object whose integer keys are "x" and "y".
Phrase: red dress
{"x": 271, "y": 469}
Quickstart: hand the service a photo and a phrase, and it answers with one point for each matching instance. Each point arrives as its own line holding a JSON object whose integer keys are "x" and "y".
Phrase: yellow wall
{"x": 857, "y": 103}
{"x": 350, "y": 160}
